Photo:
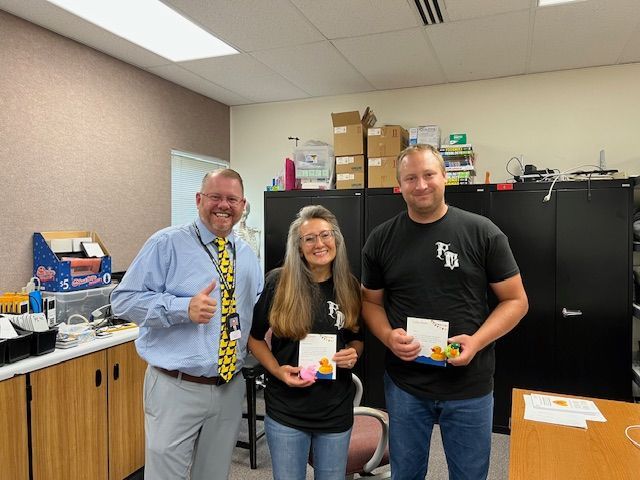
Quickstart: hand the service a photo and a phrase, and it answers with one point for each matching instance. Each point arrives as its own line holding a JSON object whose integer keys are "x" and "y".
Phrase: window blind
{"x": 187, "y": 172}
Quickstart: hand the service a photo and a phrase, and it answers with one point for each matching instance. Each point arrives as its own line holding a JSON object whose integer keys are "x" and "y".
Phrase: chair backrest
{"x": 369, "y": 439}
{"x": 358, "y": 396}
{"x": 368, "y": 448}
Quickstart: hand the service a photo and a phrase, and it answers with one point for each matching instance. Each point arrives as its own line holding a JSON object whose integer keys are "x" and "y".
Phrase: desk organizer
{"x": 40, "y": 342}
{"x": 18, "y": 348}
{"x": 3, "y": 348}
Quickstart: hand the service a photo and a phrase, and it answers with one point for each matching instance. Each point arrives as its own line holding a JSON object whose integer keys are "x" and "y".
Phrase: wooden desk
{"x": 545, "y": 451}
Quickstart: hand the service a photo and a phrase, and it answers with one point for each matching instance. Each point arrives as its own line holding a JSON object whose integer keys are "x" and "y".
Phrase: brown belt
{"x": 191, "y": 378}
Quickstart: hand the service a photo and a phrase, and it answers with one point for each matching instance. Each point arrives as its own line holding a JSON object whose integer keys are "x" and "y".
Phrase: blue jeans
{"x": 465, "y": 426}
{"x": 290, "y": 451}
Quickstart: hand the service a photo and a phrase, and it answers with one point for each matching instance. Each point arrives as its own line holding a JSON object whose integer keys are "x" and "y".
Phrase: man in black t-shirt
{"x": 437, "y": 262}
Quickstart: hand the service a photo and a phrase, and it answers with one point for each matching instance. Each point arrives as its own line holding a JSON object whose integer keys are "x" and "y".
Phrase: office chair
{"x": 368, "y": 448}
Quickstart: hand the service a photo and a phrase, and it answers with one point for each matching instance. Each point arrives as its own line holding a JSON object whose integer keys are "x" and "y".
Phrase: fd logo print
{"x": 450, "y": 259}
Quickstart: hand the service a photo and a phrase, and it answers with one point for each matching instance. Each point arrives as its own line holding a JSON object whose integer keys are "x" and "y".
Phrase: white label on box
{"x": 373, "y": 132}
{"x": 337, "y": 130}
{"x": 343, "y": 177}
{"x": 375, "y": 162}
{"x": 344, "y": 160}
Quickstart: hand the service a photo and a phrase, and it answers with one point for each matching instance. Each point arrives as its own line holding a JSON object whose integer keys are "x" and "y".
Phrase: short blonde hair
{"x": 421, "y": 147}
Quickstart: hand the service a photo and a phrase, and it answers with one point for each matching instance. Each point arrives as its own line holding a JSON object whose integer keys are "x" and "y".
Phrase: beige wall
{"x": 85, "y": 143}
{"x": 556, "y": 120}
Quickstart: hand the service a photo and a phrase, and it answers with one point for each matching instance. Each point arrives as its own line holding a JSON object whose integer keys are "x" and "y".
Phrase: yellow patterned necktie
{"x": 227, "y": 350}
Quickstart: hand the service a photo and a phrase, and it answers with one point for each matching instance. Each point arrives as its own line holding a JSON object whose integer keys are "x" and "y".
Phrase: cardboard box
{"x": 351, "y": 164}
{"x": 426, "y": 134}
{"x": 382, "y": 172}
{"x": 57, "y": 275}
{"x": 349, "y": 180}
{"x": 350, "y": 130}
{"x": 386, "y": 141}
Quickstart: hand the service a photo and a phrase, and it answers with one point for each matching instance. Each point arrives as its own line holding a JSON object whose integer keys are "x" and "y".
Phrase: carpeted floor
{"x": 240, "y": 469}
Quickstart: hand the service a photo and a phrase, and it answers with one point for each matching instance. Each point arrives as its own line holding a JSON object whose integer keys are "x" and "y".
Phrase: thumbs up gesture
{"x": 202, "y": 306}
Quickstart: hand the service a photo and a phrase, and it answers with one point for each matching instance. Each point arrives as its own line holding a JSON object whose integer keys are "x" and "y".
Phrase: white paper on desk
{"x": 318, "y": 349}
{"x": 570, "y": 405}
{"x": 6, "y": 329}
{"x": 552, "y": 416}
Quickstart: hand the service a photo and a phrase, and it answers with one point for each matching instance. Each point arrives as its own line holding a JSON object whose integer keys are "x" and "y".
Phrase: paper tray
{"x": 40, "y": 342}
{"x": 18, "y": 348}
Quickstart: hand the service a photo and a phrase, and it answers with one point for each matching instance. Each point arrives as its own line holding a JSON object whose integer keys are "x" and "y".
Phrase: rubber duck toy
{"x": 437, "y": 354}
{"x": 452, "y": 350}
{"x": 325, "y": 367}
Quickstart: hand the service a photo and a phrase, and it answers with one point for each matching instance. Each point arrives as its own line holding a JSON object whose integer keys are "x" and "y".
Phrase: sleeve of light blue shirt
{"x": 141, "y": 297}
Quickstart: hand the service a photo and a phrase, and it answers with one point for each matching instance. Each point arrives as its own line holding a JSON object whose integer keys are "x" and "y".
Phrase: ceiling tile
{"x": 464, "y": 9}
{"x": 582, "y": 34}
{"x": 393, "y": 60}
{"x": 316, "y": 68}
{"x": 336, "y": 18}
{"x": 482, "y": 48}
{"x": 250, "y": 25}
{"x": 179, "y": 75}
{"x": 62, "y": 22}
{"x": 244, "y": 75}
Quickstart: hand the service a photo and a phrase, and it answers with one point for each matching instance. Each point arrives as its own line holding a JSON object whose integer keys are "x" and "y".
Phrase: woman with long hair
{"x": 313, "y": 293}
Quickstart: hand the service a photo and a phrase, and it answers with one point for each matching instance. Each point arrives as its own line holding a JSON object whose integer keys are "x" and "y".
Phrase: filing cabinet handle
{"x": 116, "y": 371}
{"x": 571, "y": 313}
{"x": 98, "y": 377}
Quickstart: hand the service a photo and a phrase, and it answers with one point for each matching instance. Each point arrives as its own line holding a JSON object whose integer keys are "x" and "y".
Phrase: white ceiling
{"x": 295, "y": 49}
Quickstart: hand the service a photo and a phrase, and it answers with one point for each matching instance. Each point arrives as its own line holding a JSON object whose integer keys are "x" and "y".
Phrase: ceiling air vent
{"x": 430, "y": 11}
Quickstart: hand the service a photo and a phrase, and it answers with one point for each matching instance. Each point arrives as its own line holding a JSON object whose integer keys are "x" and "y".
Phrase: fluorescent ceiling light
{"x": 150, "y": 24}
{"x": 546, "y": 3}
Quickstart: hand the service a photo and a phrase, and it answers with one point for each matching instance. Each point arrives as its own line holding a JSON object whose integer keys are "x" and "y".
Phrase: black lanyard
{"x": 230, "y": 288}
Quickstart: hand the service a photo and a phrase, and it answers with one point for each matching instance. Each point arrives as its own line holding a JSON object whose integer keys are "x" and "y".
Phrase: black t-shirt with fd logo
{"x": 327, "y": 405}
{"x": 441, "y": 271}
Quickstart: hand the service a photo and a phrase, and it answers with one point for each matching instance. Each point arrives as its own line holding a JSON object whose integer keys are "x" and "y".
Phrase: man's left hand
{"x": 468, "y": 350}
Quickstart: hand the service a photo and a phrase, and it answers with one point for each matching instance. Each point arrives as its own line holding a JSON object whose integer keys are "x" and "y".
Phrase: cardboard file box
{"x": 350, "y": 130}
{"x": 386, "y": 141}
{"x": 382, "y": 172}
{"x": 58, "y": 275}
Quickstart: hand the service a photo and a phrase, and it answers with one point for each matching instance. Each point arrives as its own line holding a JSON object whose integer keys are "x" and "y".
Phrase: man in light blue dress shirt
{"x": 172, "y": 292}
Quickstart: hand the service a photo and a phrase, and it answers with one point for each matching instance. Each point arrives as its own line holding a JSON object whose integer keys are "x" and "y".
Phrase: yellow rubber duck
{"x": 325, "y": 366}
{"x": 437, "y": 354}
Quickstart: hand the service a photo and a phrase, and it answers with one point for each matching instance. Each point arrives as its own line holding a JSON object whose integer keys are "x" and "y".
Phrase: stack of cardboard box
{"x": 384, "y": 144}
{"x": 349, "y": 133}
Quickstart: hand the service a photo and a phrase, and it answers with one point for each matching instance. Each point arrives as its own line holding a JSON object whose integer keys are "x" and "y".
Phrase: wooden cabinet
{"x": 14, "y": 454}
{"x": 126, "y": 411}
{"x": 87, "y": 416}
{"x": 69, "y": 419}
